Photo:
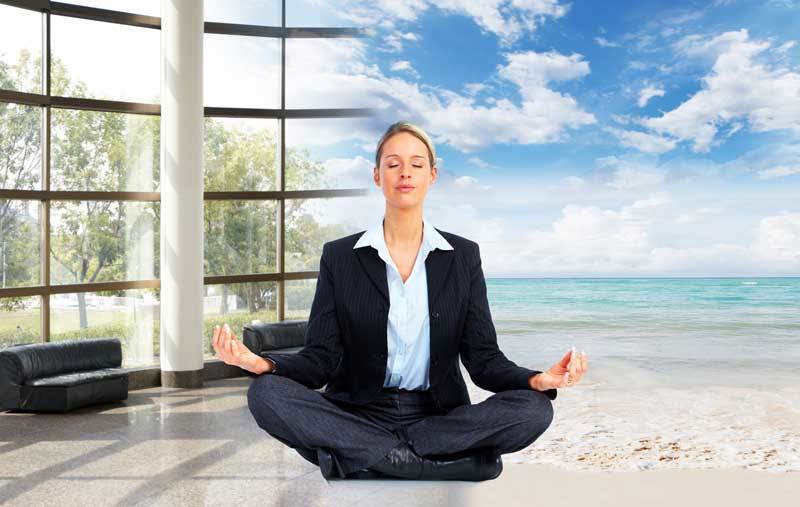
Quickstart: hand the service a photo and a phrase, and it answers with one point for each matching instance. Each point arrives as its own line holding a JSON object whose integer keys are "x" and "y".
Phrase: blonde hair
{"x": 414, "y": 130}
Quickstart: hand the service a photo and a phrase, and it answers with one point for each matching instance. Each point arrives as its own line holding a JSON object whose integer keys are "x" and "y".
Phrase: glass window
{"x": 299, "y": 296}
{"x": 237, "y": 304}
{"x": 146, "y": 7}
{"x": 104, "y": 151}
{"x": 326, "y": 73}
{"x": 330, "y": 153}
{"x": 20, "y": 321}
{"x": 94, "y": 59}
{"x": 242, "y": 71}
{"x": 99, "y": 241}
{"x": 310, "y": 223}
{"x": 240, "y": 154}
{"x": 20, "y": 247}
{"x": 248, "y": 12}
{"x": 20, "y": 50}
{"x": 130, "y": 315}
{"x": 20, "y": 147}
{"x": 240, "y": 237}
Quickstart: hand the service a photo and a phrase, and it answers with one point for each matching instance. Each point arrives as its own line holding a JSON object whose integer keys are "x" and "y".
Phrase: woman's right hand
{"x": 232, "y": 351}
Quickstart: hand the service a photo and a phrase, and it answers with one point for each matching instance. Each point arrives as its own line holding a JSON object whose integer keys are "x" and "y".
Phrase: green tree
{"x": 105, "y": 152}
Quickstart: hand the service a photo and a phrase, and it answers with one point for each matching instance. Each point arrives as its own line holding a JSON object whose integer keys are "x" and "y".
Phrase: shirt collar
{"x": 430, "y": 237}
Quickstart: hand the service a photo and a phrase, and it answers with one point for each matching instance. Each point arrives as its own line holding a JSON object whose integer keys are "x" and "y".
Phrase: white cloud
{"x": 470, "y": 184}
{"x": 739, "y": 87}
{"x": 404, "y": 66}
{"x": 643, "y": 141}
{"x": 778, "y": 238}
{"x": 473, "y": 89}
{"x": 622, "y": 119}
{"x": 507, "y": 19}
{"x": 602, "y": 41}
{"x": 630, "y": 177}
{"x": 647, "y": 93}
{"x": 452, "y": 118}
{"x": 591, "y": 240}
{"x": 696, "y": 215}
{"x": 786, "y": 46}
{"x": 530, "y": 68}
{"x": 573, "y": 181}
{"x": 348, "y": 172}
{"x": 477, "y": 161}
{"x": 394, "y": 41}
{"x": 778, "y": 172}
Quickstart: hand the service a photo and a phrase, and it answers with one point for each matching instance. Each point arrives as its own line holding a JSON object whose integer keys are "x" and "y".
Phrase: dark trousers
{"x": 359, "y": 436}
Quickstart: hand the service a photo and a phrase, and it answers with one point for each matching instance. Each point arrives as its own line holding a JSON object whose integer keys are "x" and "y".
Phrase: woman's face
{"x": 404, "y": 163}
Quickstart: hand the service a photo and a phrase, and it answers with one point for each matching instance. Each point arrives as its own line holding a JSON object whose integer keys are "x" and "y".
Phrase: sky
{"x": 574, "y": 139}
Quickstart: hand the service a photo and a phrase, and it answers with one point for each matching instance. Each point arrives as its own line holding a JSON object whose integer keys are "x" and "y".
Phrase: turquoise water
{"x": 712, "y": 329}
{"x": 683, "y": 372}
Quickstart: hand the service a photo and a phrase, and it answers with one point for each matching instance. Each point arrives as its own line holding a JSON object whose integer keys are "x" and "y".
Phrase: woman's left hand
{"x": 565, "y": 373}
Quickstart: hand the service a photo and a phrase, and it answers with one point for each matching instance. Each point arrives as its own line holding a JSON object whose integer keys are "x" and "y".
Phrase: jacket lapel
{"x": 375, "y": 268}
{"x": 437, "y": 268}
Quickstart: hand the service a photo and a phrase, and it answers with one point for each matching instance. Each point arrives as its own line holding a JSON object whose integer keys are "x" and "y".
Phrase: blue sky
{"x": 575, "y": 139}
{"x": 633, "y": 138}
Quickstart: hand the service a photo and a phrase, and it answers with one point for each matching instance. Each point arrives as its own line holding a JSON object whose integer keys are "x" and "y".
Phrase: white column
{"x": 181, "y": 193}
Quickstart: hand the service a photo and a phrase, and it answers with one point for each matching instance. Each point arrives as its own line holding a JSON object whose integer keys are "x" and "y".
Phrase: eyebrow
{"x": 412, "y": 156}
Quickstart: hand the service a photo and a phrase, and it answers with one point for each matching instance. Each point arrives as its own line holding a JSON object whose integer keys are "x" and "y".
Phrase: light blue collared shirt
{"x": 408, "y": 332}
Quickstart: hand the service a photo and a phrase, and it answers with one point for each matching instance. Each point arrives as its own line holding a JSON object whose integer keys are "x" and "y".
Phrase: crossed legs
{"x": 304, "y": 420}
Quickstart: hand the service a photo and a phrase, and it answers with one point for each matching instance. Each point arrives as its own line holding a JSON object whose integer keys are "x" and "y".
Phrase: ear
{"x": 434, "y": 174}
{"x": 376, "y": 175}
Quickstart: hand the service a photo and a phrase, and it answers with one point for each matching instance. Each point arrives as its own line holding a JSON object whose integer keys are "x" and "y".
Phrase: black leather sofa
{"x": 287, "y": 336}
{"x": 61, "y": 376}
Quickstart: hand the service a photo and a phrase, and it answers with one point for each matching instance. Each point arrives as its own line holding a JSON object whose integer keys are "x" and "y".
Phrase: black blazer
{"x": 346, "y": 342}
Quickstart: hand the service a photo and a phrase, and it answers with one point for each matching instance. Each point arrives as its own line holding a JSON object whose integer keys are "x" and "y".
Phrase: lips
{"x": 405, "y": 188}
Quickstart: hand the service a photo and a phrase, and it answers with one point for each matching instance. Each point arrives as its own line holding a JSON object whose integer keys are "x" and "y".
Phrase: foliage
{"x": 94, "y": 241}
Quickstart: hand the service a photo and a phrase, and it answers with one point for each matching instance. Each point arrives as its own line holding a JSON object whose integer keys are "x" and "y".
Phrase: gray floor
{"x": 201, "y": 447}
{"x": 180, "y": 447}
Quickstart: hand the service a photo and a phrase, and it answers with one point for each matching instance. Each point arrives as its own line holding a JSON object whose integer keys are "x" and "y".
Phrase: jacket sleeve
{"x": 314, "y": 364}
{"x": 488, "y": 367}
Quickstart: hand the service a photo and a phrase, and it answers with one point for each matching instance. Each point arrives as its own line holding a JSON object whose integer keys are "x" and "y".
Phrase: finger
{"x": 564, "y": 379}
{"x": 564, "y": 362}
{"x": 573, "y": 363}
{"x": 584, "y": 362}
{"x": 215, "y": 336}
{"x": 224, "y": 339}
{"x": 578, "y": 365}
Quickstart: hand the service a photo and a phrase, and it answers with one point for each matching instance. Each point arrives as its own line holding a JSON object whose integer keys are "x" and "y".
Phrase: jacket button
{"x": 435, "y": 315}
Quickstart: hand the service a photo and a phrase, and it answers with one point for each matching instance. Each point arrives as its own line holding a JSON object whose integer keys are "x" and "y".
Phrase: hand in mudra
{"x": 565, "y": 373}
{"x": 232, "y": 351}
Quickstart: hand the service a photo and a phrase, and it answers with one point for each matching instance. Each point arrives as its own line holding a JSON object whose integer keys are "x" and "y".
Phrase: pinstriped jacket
{"x": 346, "y": 343}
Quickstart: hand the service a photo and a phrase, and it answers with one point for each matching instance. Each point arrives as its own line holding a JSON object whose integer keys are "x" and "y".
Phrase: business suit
{"x": 346, "y": 349}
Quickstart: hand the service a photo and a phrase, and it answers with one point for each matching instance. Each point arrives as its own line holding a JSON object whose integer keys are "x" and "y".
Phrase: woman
{"x": 394, "y": 309}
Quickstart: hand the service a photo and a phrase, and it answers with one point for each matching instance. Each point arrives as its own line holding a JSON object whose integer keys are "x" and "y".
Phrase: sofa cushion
{"x": 261, "y": 336}
{"x": 75, "y": 378}
{"x": 36, "y": 360}
{"x": 62, "y": 398}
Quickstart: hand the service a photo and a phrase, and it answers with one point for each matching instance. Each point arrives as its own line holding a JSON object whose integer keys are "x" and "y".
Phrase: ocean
{"x": 683, "y": 372}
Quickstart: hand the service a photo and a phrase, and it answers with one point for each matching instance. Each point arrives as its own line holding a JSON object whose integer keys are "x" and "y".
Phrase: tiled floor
{"x": 201, "y": 447}
{"x": 177, "y": 447}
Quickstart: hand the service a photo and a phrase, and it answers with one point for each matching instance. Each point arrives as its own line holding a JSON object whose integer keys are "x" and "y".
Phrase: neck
{"x": 403, "y": 227}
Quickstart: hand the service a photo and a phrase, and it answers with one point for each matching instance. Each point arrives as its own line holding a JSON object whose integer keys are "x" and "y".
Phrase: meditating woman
{"x": 394, "y": 308}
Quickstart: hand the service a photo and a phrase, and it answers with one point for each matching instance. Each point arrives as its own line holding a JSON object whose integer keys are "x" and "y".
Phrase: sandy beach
{"x": 548, "y": 485}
